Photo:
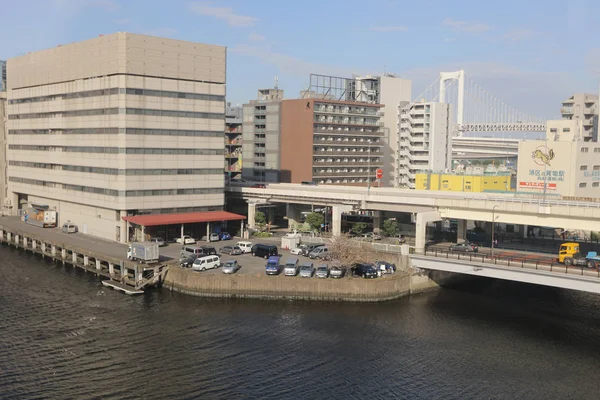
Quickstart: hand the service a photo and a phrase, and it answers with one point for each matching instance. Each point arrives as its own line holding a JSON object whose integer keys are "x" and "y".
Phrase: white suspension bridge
{"x": 475, "y": 110}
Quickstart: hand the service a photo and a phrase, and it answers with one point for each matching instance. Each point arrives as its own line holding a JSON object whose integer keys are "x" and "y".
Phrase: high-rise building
{"x": 391, "y": 92}
{"x": 233, "y": 141}
{"x": 425, "y": 141}
{"x": 261, "y": 131}
{"x": 330, "y": 142}
{"x": 4, "y": 205}
{"x": 584, "y": 107}
{"x": 2, "y": 75}
{"x": 117, "y": 126}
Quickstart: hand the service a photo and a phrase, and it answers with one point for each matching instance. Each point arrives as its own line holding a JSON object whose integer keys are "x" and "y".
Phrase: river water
{"x": 62, "y": 335}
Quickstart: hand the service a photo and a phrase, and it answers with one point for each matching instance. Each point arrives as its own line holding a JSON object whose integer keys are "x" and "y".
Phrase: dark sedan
{"x": 188, "y": 261}
{"x": 465, "y": 247}
{"x": 367, "y": 271}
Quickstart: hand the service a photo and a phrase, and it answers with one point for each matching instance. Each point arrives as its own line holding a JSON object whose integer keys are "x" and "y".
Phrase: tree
{"x": 359, "y": 227}
{"x": 315, "y": 220}
{"x": 260, "y": 219}
{"x": 349, "y": 251}
{"x": 390, "y": 227}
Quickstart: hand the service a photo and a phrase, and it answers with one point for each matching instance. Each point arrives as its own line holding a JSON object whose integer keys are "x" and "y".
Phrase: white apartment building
{"x": 116, "y": 126}
{"x": 425, "y": 141}
{"x": 391, "y": 92}
{"x": 4, "y": 206}
{"x": 583, "y": 107}
{"x": 565, "y": 130}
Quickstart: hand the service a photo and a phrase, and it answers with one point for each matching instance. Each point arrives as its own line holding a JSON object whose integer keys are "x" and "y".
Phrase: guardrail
{"x": 516, "y": 261}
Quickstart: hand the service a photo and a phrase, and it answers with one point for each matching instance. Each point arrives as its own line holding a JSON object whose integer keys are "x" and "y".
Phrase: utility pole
{"x": 493, "y": 226}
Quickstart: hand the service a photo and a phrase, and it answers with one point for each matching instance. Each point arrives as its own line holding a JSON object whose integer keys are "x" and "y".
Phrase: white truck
{"x": 40, "y": 216}
{"x": 146, "y": 252}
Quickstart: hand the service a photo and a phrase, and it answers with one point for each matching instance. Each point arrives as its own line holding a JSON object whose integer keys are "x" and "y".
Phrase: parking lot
{"x": 250, "y": 265}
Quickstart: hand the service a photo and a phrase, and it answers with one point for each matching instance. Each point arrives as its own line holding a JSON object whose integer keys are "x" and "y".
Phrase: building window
{"x": 566, "y": 130}
{"x": 582, "y": 185}
{"x": 596, "y": 184}
{"x": 597, "y": 150}
{"x": 583, "y": 168}
{"x": 553, "y": 130}
{"x": 584, "y": 149}
{"x": 596, "y": 167}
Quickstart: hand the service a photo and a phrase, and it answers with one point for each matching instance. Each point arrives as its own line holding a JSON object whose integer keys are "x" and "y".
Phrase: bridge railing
{"x": 523, "y": 260}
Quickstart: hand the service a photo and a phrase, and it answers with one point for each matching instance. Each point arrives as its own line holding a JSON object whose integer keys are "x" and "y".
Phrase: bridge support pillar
{"x": 336, "y": 218}
{"x": 251, "y": 215}
{"x": 291, "y": 211}
{"x": 377, "y": 221}
{"x": 524, "y": 231}
{"x": 461, "y": 231}
{"x": 421, "y": 229}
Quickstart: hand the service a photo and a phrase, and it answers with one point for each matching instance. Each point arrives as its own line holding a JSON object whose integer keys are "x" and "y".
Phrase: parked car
{"x": 320, "y": 253}
{"x": 209, "y": 250}
{"x": 307, "y": 270}
{"x": 272, "y": 267}
{"x": 187, "y": 262}
{"x": 159, "y": 241}
{"x": 264, "y": 250}
{"x": 297, "y": 250}
{"x": 291, "y": 267}
{"x": 231, "y": 250}
{"x": 206, "y": 262}
{"x": 337, "y": 271}
{"x": 69, "y": 228}
{"x": 368, "y": 271}
{"x": 385, "y": 267}
{"x": 231, "y": 267}
{"x": 225, "y": 236}
{"x": 309, "y": 183}
{"x": 259, "y": 186}
{"x": 370, "y": 236}
{"x": 214, "y": 237}
{"x": 245, "y": 246}
{"x": 186, "y": 240}
{"x": 322, "y": 271}
{"x": 466, "y": 247}
{"x": 309, "y": 248}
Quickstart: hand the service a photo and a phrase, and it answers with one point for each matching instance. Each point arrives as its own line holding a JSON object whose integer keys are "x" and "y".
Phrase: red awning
{"x": 187, "y": 218}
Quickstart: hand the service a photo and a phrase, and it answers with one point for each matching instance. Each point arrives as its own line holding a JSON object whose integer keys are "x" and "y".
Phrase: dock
{"x": 94, "y": 255}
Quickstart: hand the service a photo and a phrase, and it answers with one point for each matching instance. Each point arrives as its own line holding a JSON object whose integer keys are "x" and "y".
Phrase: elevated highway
{"x": 469, "y": 148}
{"x": 430, "y": 206}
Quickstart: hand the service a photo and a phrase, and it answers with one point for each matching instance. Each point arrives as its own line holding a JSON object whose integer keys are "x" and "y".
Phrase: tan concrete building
{"x": 583, "y": 107}
{"x": 115, "y": 126}
{"x": 4, "y": 205}
{"x": 560, "y": 168}
{"x": 565, "y": 130}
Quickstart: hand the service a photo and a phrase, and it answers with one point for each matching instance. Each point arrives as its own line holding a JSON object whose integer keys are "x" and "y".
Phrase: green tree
{"x": 260, "y": 219}
{"x": 391, "y": 228}
{"x": 315, "y": 220}
{"x": 595, "y": 236}
{"x": 359, "y": 227}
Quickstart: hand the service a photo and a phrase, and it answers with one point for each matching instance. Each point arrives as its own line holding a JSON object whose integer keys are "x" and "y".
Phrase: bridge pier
{"x": 421, "y": 229}
{"x": 292, "y": 215}
{"x": 251, "y": 215}
{"x": 461, "y": 231}
{"x": 377, "y": 221}
{"x": 336, "y": 218}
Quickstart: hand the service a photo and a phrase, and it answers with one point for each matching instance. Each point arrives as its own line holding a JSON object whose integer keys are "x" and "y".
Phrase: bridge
{"x": 475, "y": 110}
{"x": 429, "y": 206}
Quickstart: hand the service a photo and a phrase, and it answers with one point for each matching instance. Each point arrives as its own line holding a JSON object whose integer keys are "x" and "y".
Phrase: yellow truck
{"x": 570, "y": 256}
{"x": 567, "y": 251}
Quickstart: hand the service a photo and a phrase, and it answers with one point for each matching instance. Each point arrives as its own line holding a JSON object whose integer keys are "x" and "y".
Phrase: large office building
{"x": 117, "y": 126}
{"x": 391, "y": 92}
{"x": 583, "y": 107}
{"x": 425, "y": 141}
{"x": 260, "y": 137}
{"x": 233, "y": 142}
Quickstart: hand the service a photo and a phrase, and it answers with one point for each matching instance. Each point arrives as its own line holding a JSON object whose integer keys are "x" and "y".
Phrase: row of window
{"x": 116, "y": 171}
{"x": 594, "y": 184}
{"x": 113, "y": 111}
{"x": 585, "y": 149}
{"x": 118, "y": 150}
{"x": 114, "y": 131}
{"x": 112, "y": 91}
{"x": 116, "y": 193}
{"x": 584, "y": 167}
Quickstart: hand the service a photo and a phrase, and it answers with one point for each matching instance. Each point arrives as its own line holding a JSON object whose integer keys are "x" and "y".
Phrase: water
{"x": 62, "y": 335}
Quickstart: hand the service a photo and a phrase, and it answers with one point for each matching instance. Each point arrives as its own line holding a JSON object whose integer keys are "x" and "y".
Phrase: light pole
{"x": 493, "y": 225}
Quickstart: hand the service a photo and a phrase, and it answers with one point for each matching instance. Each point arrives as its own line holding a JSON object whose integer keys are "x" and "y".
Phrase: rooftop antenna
{"x": 276, "y": 82}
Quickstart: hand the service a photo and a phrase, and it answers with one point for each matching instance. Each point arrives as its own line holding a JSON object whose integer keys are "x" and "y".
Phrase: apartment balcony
{"x": 363, "y": 163}
{"x": 233, "y": 168}
{"x": 259, "y": 158}
{"x": 259, "y": 112}
{"x": 420, "y": 157}
{"x": 347, "y": 153}
{"x": 348, "y": 174}
{"x": 259, "y": 130}
{"x": 588, "y": 122}
{"x": 325, "y": 131}
{"x": 320, "y": 141}
{"x": 348, "y": 123}
{"x": 406, "y": 154}
{"x": 233, "y": 155}
{"x": 347, "y": 111}
{"x": 233, "y": 130}
{"x": 260, "y": 140}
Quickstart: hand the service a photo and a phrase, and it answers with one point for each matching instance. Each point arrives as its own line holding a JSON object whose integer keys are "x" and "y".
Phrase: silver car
{"x": 322, "y": 271}
{"x": 231, "y": 250}
{"x": 307, "y": 270}
{"x": 337, "y": 272}
{"x": 230, "y": 267}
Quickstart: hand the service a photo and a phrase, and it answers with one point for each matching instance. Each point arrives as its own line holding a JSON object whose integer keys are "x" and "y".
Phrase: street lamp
{"x": 493, "y": 225}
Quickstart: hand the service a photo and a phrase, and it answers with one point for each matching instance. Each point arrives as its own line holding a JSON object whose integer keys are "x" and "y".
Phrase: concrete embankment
{"x": 281, "y": 287}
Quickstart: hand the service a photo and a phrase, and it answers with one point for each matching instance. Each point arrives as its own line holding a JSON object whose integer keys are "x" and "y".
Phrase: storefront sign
{"x": 537, "y": 185}
{"x": 549, "y": 176}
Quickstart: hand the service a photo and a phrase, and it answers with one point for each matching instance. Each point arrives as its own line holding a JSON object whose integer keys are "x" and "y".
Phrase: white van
{"x": 245, "y": 246}
{"x": 206, "y": 262}
{"x": 319, "y": 253}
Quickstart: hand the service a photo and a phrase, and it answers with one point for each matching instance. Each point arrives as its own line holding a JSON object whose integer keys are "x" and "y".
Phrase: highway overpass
{"x": 470, "y": 148}
{"x": 429, "y": 206}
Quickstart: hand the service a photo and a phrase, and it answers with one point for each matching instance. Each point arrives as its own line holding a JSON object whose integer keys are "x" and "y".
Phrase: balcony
{"x": 347, "y": 153}
{"x": 348, "y": 174}
{"x": 260, "y": 140}
{"x": 347, "y": 111}
{"x": 325, "y": 131}
{"x": 364, "y": 143}
{"x": 233, "y": 168}
{"x": 233, "y": 130}
{"x": 347, "y": 123}
{"x": 259, "y": 112}
{"x": 566, "y": 110}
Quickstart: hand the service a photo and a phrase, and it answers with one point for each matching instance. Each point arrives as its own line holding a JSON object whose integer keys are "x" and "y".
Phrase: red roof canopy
{"x": 187, "y": 218}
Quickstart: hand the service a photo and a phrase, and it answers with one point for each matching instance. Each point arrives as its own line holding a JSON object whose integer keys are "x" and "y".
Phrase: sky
{"x": 530, "y": 54}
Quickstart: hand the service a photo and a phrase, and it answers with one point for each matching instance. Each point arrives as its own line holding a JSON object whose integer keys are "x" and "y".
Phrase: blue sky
{"x": 532, "y": 54}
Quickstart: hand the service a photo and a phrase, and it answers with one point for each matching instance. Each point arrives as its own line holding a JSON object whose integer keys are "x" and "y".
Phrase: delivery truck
{"x": 40, "y": 216}
{"x": 143, "y": 251}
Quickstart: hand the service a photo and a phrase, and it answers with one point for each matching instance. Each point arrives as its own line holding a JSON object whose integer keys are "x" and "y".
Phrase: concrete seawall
{"x": 283, "y": 287}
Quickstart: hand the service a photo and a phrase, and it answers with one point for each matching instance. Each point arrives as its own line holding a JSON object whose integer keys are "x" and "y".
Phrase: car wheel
{"x": 203, "y": 269}
{"x": 568, "y": 262}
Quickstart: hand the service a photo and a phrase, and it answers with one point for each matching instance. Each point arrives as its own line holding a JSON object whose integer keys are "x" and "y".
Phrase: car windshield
{"x": 237, "y": 248}
{"x": 306, "y": 267}
{"x": 322, "y": 269}
{"x": 230, "y": 264}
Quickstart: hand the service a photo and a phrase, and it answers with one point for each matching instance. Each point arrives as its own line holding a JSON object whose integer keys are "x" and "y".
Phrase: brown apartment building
{"x": 330, "y": 142}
